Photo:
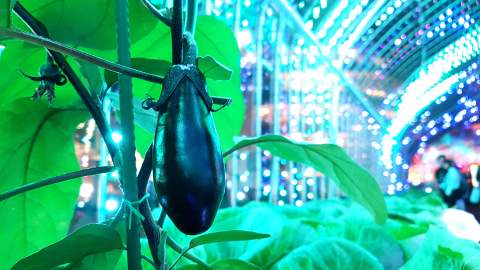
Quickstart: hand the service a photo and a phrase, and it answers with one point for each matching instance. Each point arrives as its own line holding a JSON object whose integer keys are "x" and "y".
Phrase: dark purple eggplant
{"x": 188, "y": 169}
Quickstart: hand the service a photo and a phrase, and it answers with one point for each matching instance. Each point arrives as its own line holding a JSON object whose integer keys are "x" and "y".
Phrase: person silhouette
{"x": 452, "y": 185}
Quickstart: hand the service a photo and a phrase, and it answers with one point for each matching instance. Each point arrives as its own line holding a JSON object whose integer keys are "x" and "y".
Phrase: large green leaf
{"x": 383, "y": 246}
{"x": 89, "y": 23}
{"x": 285, "y": 236}
{"x": 227, "y": 264}
{"x": 329, "y": 254}
{"x": 5, "y": 12}
{"x": 220, "y": 237}
{"x": 107, "y": 259}
{"x": 36, "y": 142}
{"x": 88, "y": 240}
{"x": 215, "y": 39}
{"x": 225, "y": 236}
{"x": 93, "y": 77}
{"x": 441, "y": 251}
{"x": 332, "y": 161}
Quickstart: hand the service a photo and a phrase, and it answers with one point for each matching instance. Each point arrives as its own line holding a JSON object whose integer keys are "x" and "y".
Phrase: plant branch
{"x": 162, "y": 217}
{"x": 156, "y": 12}
{"x": 177, "y": 32}
{"x": 38, "y": 28}
{"x": 55, "y": 180}
{"x": 151, "y": 230}
{"x": 128, "y": 169}
{"x": 175, "y": 246}
{"x": 61, "y": 48}
{"x": 150, "y": 262}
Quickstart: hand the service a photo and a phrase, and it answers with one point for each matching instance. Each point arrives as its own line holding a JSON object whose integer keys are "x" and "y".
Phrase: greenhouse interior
{"x": 239, "y": 135}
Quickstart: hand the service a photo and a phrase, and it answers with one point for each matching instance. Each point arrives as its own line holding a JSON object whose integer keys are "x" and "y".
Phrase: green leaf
{"x": 216, "y": 39}
{"x": 329, "y": 254}
{"x": 285, "y": 235}
{"x": 6, "y": 7}
{"x": 90, "y": 239}
{"x": 145, "y": 122}
{"x": 217, "y": 237}
{"x": 227, "y": 264}
{"x": 103, "y": 260}
{"x": 333, "y": 162}
{"x": 225, "y": 236}
{"x": 35, "y": 138}
{"x": 146, "y": 119}
{"x": 93, "y": 76}
{"x": 89, "y": 23}
{"x": 213, "y": 69}
{"x": 154, "y": 66}
{"x": 442, "y": 251}
{"x": 383, "y": 246}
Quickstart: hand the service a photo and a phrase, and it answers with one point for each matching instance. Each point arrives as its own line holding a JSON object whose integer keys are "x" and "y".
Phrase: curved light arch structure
{"x": 360, "y": 73}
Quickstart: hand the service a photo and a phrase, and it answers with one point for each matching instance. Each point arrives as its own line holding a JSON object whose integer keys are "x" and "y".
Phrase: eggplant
{"x": 188, "y": 168}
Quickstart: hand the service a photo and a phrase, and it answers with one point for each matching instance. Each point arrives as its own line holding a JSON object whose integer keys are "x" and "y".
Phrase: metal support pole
{"x": 288, "y": 13}
{"x": 258, "y": 102}
{"x": 275, "y": 180}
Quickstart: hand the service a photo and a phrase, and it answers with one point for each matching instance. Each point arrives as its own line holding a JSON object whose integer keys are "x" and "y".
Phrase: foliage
{"x": 34, "y": 219}
{"x": 334, "y": 234}
{"x": 332, "y": 161}
{"x": 88, "y": 240}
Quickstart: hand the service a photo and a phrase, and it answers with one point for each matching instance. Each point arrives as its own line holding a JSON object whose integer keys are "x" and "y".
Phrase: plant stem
{"x": 177, "y": 32}
{"x": 192, "y": 16}
{"x": 162, "y": 217}
{"x": 61, "y": 48}
{"x": 55, "y": 180}
{"x": 156, "y": 12}
{"x": 38, "y": 28}
{"x": 128, "y": 169}
{"x": 150, "y": 262}
{"x": 175, "y": 246}
{"x": 151, "y": 230}
{"x": 178, "y": 259}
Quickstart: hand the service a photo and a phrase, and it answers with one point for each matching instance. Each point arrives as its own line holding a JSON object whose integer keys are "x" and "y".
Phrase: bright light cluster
{"x": 430, "y": 85}
{"x": 343, "y": 49}
{"x": 332, "y": 18}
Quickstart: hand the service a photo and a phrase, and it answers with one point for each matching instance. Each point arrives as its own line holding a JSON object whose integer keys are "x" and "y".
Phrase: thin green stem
{"x": 175, "y": 246}
{"x": 192, "y": 16}
{"x": 55, "y": 180}
{"x": 178, "y": 258}
{"x": 150, "y": 262}
{"x": 128, "y": 170}
{"x": 146, "y": 259}
{"x": 162, "y": 217}
{"x": 152, "y": 231}
{"x": 156, "y": 12}
{"x": 177, "y": 32}
{"x": 61, "y": 48}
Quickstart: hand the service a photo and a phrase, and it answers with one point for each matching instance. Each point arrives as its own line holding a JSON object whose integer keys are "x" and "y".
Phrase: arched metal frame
{"x": 354, "y": 120}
